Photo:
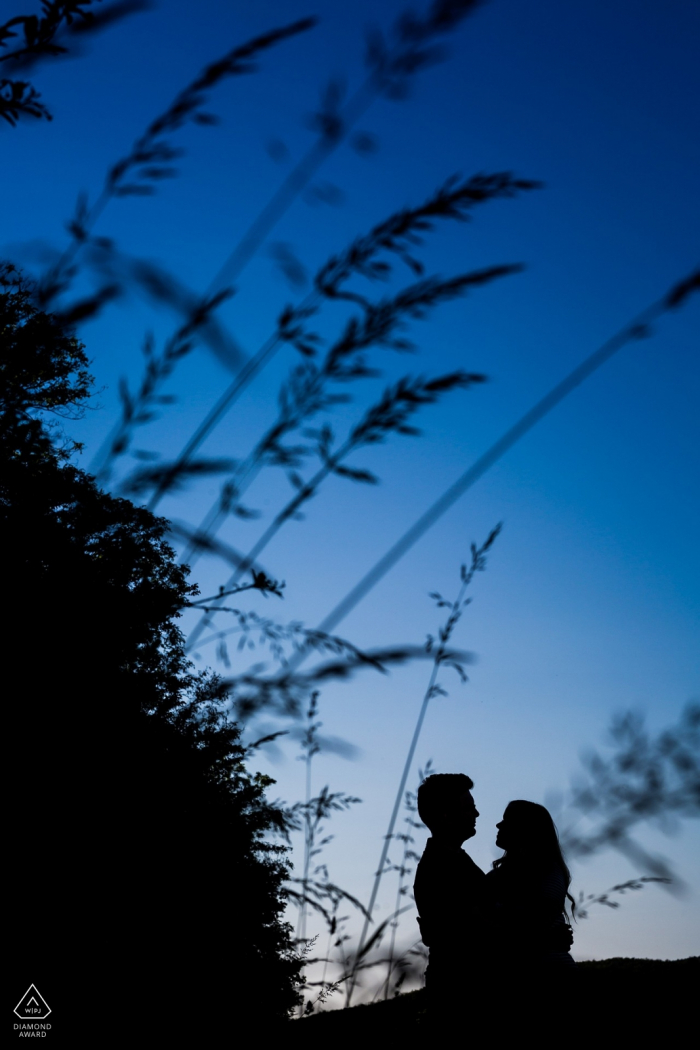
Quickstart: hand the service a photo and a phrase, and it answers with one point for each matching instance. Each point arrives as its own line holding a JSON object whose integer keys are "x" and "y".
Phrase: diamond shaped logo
{"x": 32, "y": 1005}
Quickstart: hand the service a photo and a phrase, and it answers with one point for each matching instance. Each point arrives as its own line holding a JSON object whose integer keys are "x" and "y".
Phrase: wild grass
{"x": 442, "y": 658}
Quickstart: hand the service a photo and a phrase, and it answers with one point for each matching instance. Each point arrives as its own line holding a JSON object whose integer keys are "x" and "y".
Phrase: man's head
{"x": 446, "y": 806}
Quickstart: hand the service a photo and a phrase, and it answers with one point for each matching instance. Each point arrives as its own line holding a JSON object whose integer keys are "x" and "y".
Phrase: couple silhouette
{"x": 506, "y": 927}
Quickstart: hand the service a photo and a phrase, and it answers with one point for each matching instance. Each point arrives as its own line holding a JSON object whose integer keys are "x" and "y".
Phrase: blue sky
{"x": 590, "y": 602}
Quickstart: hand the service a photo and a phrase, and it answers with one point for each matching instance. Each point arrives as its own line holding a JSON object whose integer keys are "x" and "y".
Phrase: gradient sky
{"x": 590, "y": 602}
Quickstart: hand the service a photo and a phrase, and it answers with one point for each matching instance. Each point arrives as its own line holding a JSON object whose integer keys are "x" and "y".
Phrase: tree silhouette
{"x": 175, "y": 842}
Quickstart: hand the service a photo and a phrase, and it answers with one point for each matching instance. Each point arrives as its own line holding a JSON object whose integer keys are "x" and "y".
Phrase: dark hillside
{"x": 624, "y": 997}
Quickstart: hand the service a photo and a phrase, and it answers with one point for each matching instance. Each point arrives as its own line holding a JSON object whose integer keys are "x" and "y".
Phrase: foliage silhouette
{"x": 152, "y": 155}
{"x": 391, "y": 414}
{"x": 368, "y": 256}
{"x": 587, "y": 900}
{"x": 198, "y": 812}
{"x": 648, "y": 779}
{"x": 392, "y": 62}
{"x": 46, "y": 36}
{"x": 199, "y": 821}
{"x": 639, "y": 328}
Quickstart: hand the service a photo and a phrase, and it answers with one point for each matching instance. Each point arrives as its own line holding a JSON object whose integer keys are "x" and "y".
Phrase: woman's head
{"x": 528, "y": 833}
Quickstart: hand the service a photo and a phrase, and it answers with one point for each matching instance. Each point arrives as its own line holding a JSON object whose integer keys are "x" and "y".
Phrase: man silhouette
{"x": 449, "y": 887}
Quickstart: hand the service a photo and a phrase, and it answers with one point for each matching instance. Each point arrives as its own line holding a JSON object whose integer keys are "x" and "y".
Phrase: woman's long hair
{"x": 537, "y": 845}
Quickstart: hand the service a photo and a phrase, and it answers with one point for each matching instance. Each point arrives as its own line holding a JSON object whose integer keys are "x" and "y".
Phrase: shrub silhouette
{"x": 187, "y": 860}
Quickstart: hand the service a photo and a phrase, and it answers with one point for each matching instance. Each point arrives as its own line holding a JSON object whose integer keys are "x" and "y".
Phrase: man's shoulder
{"x": 437, "y": 857}
{"x": 470, "y": 871}
{"x": 474, "y": 869}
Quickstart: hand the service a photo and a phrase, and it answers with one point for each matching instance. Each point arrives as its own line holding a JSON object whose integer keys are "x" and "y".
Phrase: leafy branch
{"x": 585, "y": 901}
{"x": 260, "y": 582}
{"x": 648, "y": 778}
{"x": 40, "y": 38}
{"x": 39, "y": 33}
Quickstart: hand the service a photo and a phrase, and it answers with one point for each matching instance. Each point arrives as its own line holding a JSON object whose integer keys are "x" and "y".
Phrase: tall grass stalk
{"x": 403, "y": 869}
{"x": 639, "y": 328}
{"x": 152, "y": 154}
{"x": 391, "y": 414}
{"x": 392, "y": 64}
{"x": 441, "y": 658}
{"x": 366, "y": 257}
{"x": 391, "y": 67}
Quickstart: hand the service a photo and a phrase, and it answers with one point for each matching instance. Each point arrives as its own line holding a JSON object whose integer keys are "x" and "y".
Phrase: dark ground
{"x": 638, "y": 1001}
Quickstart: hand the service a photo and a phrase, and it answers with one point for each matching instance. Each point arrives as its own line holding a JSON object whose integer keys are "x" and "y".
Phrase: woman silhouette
{"x": 528, "y": 887}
